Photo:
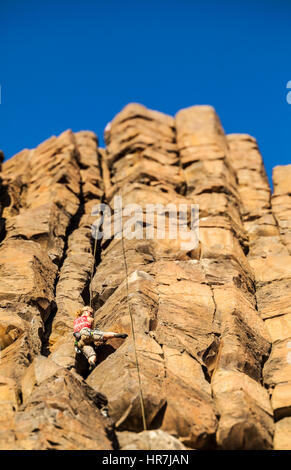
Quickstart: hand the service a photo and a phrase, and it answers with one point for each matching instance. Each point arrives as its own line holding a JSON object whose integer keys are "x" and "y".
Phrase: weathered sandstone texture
{"x": 212, "y": 324}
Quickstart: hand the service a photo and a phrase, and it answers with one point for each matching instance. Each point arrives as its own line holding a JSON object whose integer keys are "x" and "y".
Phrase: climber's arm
{"x": 90, "y": 320}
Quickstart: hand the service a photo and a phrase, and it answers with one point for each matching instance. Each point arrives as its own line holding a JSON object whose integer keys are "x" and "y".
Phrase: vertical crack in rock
{"x": 72, "y": 288}
{"x": 72, "y": 226}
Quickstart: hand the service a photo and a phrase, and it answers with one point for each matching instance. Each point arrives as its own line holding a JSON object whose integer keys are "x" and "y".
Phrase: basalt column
{"x": 235, "y": 358}
{"x": 267, "y": 221}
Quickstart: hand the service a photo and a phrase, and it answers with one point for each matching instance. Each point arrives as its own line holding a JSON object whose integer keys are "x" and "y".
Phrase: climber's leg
{"x": 97, "y": 335}
{"x": 90, "y": 354}
{"x": 82, "y": 342}
{"x": 111, "y": 334}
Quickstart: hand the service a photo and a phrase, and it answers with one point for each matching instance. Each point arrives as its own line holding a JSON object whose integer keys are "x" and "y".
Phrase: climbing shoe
{"x": 91, "y": 367}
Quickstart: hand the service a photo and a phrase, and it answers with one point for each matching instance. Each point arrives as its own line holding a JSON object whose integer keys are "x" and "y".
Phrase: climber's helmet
{"x": 89, "y": 310}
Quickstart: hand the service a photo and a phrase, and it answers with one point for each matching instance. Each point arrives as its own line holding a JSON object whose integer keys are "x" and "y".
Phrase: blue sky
{"x": 75, "y": 64}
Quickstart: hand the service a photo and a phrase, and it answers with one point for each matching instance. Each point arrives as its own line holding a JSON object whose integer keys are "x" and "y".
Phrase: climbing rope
{"x": 133, "y": 336}
{"x": 130, "y": 314}
{"x": 93, "y": 267}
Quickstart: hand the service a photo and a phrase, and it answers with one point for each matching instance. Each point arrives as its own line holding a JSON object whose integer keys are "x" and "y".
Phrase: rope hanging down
{"x": 133, "y": 337}
{"x": 93, "y": 267}
{"x": 131, "y": 318}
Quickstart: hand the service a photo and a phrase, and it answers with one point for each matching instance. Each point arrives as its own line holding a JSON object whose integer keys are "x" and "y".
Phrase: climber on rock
{"x": 86, "y": 336}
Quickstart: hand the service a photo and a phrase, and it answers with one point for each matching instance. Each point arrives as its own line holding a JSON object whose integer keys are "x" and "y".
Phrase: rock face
{"x": 212, "y": 320}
